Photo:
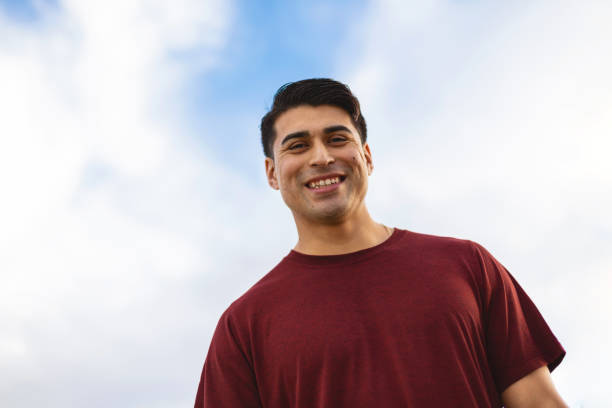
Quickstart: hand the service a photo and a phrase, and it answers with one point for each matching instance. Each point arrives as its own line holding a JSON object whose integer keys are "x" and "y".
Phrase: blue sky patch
{"x": 25, "y": 11}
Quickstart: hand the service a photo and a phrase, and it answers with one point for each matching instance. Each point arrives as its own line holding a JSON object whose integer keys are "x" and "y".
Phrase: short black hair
{"x": 313, "y": 92}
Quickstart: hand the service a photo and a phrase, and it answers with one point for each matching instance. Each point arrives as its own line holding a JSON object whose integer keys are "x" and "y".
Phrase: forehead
{"x": 311, "y": 119}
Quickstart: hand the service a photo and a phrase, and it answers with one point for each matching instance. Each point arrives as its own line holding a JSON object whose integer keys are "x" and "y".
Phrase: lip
{"x": 326, "y": 176}
{"x": 328, "y": 188}
{"x": 325, "y": 189}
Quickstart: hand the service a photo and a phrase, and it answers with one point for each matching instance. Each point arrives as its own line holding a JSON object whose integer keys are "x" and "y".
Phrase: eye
{"x": 297, "y": 145}
{"x": 337, "y": 139}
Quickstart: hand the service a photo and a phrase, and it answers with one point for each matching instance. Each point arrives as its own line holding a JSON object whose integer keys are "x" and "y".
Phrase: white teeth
{"x": 325, "y": 182}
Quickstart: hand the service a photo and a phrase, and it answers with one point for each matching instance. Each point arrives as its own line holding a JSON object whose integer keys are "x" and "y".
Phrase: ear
{"x": 271, "y": 173}
{"x": 368, "y": 158}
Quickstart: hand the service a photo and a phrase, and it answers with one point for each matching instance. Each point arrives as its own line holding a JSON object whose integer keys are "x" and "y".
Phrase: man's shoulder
{"x": 260, "y": 295}
{"x": 445, "y": 243}
{"x": 438, "y": 250}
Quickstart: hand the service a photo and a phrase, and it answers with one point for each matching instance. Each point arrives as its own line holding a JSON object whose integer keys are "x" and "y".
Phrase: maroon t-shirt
{"x": 417, "y": 321}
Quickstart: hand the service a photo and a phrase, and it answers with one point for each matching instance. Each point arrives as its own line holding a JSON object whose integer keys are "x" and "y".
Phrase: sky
{"x": 135, "y": 207}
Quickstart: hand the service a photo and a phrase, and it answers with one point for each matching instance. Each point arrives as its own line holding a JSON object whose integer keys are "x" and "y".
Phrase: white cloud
{"x": 493, "y": 123}
{"x": 105, "y": 250}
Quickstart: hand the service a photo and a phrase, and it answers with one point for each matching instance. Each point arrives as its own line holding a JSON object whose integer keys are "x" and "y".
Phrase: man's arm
{"x": 536, "y": 389}
{"x": 227, "y": 379}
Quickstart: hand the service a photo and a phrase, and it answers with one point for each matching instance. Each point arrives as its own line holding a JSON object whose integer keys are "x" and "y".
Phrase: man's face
{"x": 320, "y": 166}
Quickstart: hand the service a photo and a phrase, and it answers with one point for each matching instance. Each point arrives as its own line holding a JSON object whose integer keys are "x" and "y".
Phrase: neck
{"x": 351, "y": 235}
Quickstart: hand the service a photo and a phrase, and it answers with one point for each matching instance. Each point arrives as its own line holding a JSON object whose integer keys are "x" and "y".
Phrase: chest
{"x": 352, "y": 320}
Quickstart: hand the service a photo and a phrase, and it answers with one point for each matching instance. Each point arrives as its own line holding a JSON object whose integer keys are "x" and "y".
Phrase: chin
{"x": 332, "y": 215}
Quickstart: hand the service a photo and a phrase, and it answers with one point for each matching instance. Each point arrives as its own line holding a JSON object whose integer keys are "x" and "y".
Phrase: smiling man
{"x": 360, "y": 314}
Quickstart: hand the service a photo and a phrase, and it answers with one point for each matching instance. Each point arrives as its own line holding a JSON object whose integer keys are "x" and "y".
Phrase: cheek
{"x": 286, "y": 173}
{"x": 359, "y": 162}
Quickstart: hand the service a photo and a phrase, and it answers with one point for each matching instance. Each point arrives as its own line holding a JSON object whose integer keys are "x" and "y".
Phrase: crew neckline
{"x": 350, "y": 257}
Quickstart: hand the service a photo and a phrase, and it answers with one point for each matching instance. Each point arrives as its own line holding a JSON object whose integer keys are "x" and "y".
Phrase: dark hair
{"x": 313, "y": 92}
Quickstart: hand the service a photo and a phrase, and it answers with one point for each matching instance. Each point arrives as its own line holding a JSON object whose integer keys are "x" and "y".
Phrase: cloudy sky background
{"x": 134, "y": 204}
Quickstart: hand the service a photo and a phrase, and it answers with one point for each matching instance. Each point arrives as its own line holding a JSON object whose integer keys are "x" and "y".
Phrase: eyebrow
{"x": 336, "y": 128}
{"x": 304, "y": 133}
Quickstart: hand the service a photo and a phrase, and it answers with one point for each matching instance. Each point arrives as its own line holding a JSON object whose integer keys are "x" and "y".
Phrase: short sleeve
{"x": 227, "y": 377}
{"x": 518, "y": 339}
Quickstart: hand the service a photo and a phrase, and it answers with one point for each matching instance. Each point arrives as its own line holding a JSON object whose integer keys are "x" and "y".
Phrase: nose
{"x": 320, "y": 155}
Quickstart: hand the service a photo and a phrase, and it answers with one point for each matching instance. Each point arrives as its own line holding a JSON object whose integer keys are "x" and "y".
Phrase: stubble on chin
{"x": 330, "y": 216}
{"x": 329, "y": 213}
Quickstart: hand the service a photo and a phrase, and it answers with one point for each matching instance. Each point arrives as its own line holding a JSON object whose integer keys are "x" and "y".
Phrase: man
{"x": 359, "y": 314}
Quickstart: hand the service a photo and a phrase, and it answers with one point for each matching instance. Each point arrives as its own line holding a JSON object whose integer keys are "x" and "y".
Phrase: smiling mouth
{"x": 320, "y": 184}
